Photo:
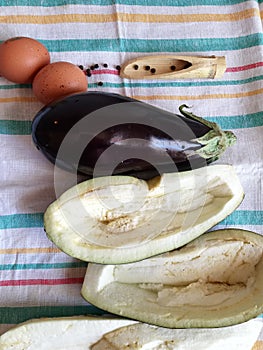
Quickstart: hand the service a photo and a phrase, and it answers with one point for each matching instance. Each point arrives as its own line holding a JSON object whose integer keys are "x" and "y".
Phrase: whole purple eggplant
{"x": 97, "y": 134}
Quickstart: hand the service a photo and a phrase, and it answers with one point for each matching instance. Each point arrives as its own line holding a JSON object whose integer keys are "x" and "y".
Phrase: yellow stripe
{"x": 17, "y": 99}
{"x": 29, "y": 251}
{"x": 199, "y": 97}
{"x": 62, "y": 18}
{"x": 130, "y": 17}
{"x": 160, "y": 97}
{"x": 258, "y": 345}
{"x": 205, "y": 17}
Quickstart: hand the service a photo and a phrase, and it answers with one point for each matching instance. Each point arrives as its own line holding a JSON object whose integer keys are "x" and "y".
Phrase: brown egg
{"x": 21, "y": 58}
{"x": 57, "y": 80}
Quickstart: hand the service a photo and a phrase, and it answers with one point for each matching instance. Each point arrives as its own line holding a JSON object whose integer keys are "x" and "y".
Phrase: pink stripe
{"x": 241, "y": 68}
{"x": 228, "y": 70}
{"x": 105, "y": 71}
{"x": 99, "y": 71}
{"x": 49, "y": 282}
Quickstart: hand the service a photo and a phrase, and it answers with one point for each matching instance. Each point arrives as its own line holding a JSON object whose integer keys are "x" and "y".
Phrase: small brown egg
{"x": 58, "y": 80}
{"x": 21, "y": 58}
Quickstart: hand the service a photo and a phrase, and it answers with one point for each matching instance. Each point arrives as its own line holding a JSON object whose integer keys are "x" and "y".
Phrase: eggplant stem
{"x": 215, "y": 141}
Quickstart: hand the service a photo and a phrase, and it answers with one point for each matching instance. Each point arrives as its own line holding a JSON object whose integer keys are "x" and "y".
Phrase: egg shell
{"x": 57, "y": 80}
{"x": 21, "y": 58}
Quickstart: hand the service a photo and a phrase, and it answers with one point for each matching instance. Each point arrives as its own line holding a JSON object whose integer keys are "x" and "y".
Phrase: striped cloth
{"x": 37, "y": 279}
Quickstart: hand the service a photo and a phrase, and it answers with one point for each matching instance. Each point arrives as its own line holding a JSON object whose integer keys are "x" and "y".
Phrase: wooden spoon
{"x": 174, "y": 67}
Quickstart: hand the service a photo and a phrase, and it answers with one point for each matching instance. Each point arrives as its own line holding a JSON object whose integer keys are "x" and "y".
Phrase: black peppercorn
{"x": 92, "y": 67}
{"x": 173, "y": 68}
{"x": 81, "y": 67}
{"x": 105, "y": 65}
{"x": 153, "y": 70}
{"x": 136, "y": 66}
{"x": 88, "y": 72}
{"x": 147, "y": 67}
{"x": 118, "y": 67}
{"x": 96, "y": 65}
{"x": 100, "y": 83}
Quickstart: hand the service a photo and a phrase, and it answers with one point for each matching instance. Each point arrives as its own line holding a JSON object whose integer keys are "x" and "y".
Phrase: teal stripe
{"x": 239, "y": 217}
{"x": 21, "y": 220}
{"x": 158, "y": 84}
{"x": 155, "y": 45}
{"x": 14, "y": 315}
{"x": 239, "y": 121}
{"x": 15, "y": 127}
{"x": 15, "y": 86}
{"x": 161, "y": 84}
{"x": 244, "y": 217}
{"x": 226, "y": 122}
{"x": 185, "y": 3}
{"x": 39, "y": 266}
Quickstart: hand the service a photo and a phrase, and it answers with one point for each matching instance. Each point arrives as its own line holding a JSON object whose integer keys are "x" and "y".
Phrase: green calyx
{"x": 215, "y": 141}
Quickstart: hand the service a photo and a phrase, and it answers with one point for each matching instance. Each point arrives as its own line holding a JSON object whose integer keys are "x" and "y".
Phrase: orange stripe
{"x": 30, "y": 250}
{"x": 160, "y": 97}
{"x": 258, "y": 345}
{"x": 131, "y": 17}
{"x": 62, "y": 18}
{"x": 17, "y": 99}
{"x": 199, "y": 97}
{"x": 205, "y": 17}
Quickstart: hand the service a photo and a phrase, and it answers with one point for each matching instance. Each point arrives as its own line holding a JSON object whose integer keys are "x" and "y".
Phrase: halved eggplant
{"x": 120, "y": 219}
{"x": 102, "y": 134}
{"x": 214, "y": 281}
{"x": 87, "y": 332}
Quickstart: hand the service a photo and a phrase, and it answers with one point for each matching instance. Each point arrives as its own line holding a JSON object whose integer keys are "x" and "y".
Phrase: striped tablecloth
{"x": 36, "y": 278}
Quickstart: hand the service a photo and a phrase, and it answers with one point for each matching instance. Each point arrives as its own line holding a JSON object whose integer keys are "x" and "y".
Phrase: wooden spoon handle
{"x": 174, "y": 67}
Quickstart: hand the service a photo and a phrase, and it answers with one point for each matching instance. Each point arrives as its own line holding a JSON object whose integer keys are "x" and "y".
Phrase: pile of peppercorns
{"x": 152, "y": 69}
{"x": 88, "y": 71}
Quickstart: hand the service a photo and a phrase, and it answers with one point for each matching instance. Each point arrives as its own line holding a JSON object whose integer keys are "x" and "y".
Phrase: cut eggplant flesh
{"x": 215, "y": 280}
{"x": 120, "y": 219}
{"x": 145, "y": 337}
{"x": 100, "y": 333}
{"x": 59, "y": 333}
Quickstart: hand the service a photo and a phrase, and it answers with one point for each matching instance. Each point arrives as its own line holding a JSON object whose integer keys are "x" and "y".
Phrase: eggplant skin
{"x": 129, "y": 137}
{"x": 125, "y": 137}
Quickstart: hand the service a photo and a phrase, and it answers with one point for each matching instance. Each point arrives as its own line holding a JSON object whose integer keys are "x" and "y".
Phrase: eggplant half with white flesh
{"x": 121, "y": 219}
{"x": 102, "y": 134}
{"x": 213, "y": 281}
{"x": 100, "y": 333}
